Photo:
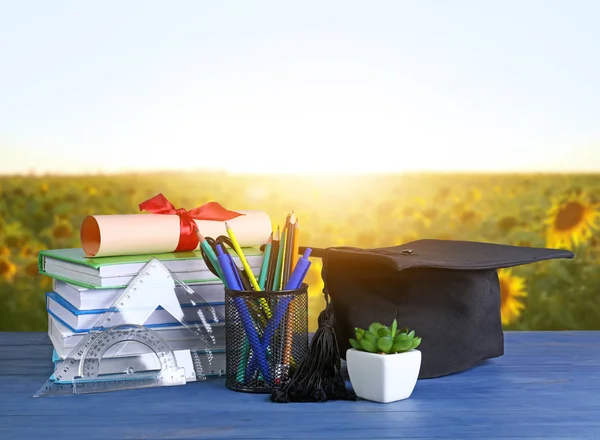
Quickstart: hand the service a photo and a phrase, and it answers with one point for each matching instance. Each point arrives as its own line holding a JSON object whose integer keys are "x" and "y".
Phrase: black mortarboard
{"x": 447, "y": 291}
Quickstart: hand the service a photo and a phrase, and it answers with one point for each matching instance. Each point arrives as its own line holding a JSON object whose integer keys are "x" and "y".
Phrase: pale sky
{"x": 315, "y": 86}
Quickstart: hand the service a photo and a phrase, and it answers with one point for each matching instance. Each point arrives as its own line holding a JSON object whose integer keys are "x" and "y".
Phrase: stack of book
{"x": 86, "y": 288}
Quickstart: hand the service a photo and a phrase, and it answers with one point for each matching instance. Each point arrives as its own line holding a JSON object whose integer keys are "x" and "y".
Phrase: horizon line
{"x": 308, "y": 173}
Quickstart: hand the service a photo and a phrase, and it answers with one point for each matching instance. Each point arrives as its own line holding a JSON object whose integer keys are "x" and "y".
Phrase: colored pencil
{"x": 287, "y": 260}
{"x": 273, "y": 261}
{"x": 291, "y": 312}
{"x": 279, "y": 267}
{"x": 242, "y": 257}
{"x": 265, "y": 264}
{"x": 296, "y": 244}
{"x": 240, "y": 273}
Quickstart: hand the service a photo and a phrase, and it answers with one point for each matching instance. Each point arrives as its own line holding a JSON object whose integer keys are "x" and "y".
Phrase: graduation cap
{"x": 447, "y": 291}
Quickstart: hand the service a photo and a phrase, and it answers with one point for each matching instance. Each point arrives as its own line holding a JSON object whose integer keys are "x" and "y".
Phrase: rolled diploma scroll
{"x": 136, "y": 234}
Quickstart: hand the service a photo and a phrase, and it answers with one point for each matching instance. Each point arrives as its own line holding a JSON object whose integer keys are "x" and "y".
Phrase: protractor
{"x": 89, "y": 366}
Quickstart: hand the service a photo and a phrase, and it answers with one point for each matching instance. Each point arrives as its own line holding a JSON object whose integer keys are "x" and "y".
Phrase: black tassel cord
{"x": 318, "y": 377}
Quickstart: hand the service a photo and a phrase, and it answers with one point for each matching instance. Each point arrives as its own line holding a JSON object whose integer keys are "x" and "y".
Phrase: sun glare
{"x": 313, "y": 124}
{"x": 319, "y": 116}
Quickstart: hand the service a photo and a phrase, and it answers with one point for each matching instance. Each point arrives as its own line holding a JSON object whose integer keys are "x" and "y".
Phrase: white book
{"x": 86, "y": 320}
{"x": 178, "y": 337}
{"x": 83, "y": 298}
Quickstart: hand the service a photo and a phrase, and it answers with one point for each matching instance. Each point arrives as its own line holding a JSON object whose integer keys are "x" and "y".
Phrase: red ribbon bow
{"x": 188, "y": 240}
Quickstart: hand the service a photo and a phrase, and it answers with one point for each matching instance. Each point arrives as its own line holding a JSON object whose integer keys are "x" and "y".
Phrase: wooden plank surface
{"x": 547, "y": 385}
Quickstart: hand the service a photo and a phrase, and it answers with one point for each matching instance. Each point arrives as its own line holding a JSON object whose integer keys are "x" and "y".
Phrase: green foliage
{"x": 41, "y": 211}
{"x": 382, "y": 339}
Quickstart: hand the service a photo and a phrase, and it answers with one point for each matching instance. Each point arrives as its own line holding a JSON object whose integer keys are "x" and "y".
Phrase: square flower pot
{"x": 383, "y": 378}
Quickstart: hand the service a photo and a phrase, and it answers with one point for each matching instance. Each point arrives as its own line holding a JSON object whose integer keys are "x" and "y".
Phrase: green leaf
{"x": 399, "y": 346}
{"x": 355, "y": 344}
{"x": 374, "y": 327}
{"x": 359, "y": 332}
{"x": 368, "y": 346}
{"x": 372, "y": 338}
{"x": 411, "y": 334}
{"x": 415, "y": 343}
{"x": 401, "y": 337}
{"x": 394, "y": 328}
{"x": 385, "y": 343}
{"x": 384, "y": 331}
{"x": 403, "y": 330}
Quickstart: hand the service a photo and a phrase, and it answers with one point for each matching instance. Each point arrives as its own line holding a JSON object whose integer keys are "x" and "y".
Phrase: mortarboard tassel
{"x": 318, "y": 378}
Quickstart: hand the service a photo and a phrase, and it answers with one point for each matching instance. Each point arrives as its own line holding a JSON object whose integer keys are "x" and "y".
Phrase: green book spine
{"x": 77, "y": 256}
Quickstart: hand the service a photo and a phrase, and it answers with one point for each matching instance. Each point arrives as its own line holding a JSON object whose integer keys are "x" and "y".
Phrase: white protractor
{"x": 89, "y": 366}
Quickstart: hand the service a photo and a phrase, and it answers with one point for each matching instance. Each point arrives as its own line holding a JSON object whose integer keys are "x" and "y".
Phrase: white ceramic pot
{"x": 383, "y": 378}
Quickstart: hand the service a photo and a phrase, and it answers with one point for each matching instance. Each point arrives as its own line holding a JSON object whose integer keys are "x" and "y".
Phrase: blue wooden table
{"x": 546, "y": 386}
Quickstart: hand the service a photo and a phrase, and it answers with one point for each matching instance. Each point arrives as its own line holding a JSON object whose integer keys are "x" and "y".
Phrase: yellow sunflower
{"x": 30, "y": 249}
{"x": 62, "y": 229}
{"x": 316, "y": 301}
{"x": 475, "y": 194}
{"x": 512, "y": 289}
{"x": 571, "y": 221}
{"x": 7, "y": 269}
{"x": 31, "y": 269}
{"x": 45, "y": 283}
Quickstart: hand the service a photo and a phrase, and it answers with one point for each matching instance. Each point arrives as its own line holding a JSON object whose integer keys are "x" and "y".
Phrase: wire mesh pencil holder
{"x": 266, "y": 337}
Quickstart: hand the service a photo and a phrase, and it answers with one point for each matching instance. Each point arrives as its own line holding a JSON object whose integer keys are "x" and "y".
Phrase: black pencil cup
{"x": 266, "y": 337}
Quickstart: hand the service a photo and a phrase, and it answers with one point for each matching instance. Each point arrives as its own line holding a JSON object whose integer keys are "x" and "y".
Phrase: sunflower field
{"x": 559, "y": 211}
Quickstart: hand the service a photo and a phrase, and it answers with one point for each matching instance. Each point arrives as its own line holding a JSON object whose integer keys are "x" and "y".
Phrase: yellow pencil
{"x": 247, "y": 268}
{"x": 240, "y": 253}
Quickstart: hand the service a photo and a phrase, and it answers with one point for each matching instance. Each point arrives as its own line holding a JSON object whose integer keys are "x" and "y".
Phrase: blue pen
{"x": 300, "y": 271}
{"x": 294, "y": 282}
{"x": 234, "y": 284}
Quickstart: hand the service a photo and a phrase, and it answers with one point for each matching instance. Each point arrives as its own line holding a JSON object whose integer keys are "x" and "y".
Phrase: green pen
{"x": 241, "y": 371}
{"x": 265, "y": 264}
{"x": 210, "y": 253}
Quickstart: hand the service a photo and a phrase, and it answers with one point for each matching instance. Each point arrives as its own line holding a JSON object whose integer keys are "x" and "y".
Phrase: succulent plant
{"x": 379, "y": 338}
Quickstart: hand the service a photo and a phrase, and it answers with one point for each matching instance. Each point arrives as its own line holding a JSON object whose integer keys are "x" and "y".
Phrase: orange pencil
{"x": 295, "y": 244}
